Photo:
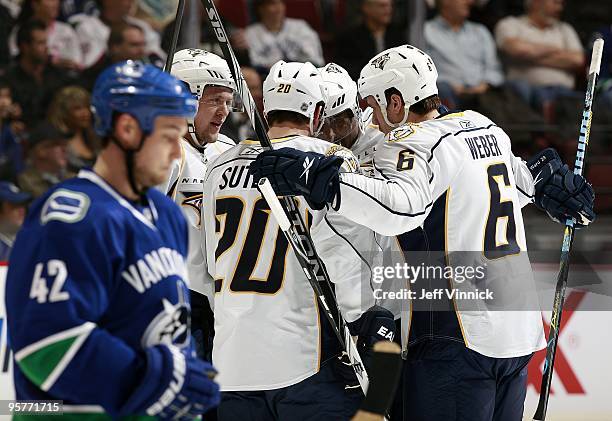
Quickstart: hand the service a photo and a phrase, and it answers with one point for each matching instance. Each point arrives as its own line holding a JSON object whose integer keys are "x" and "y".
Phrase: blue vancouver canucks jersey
{"x": 94, "y": 280}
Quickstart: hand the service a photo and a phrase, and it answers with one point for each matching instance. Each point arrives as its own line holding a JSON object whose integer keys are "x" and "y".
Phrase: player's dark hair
{"x": 257, "y": 4}
{"x": 422, "y": 107}
{"x": 116, "y": 36}
{"x": 279, "y": 116}
{"x": 426, "y": 105}
{"x": 24, "y": 34}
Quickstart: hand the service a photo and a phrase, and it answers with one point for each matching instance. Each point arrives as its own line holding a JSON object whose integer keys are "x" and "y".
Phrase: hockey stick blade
{"x": 568, "y": 238}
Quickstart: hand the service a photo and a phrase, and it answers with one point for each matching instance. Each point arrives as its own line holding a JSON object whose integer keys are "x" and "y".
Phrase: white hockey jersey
{"x": 385, "y": 251}
{"x": 268, "y": 330}
{"x": 185, "y": 187}
{"x": 452, "y": 184}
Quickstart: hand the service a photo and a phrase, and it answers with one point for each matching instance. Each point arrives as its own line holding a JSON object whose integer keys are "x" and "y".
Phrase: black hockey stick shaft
{"x": 304, "y": 248}
{"x": 180, "y": 10}
{"x": 568, "y": 238}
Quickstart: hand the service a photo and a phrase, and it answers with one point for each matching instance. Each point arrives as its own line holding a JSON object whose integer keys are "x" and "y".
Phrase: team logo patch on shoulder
{"x": 400, "y": 133}
{"x": 380, "y": 62}
{"x": 65, "y": 206}
{"x": 193, "y": 200}
{"x": 467, "y": 124}
{"x": 350, "y": 162}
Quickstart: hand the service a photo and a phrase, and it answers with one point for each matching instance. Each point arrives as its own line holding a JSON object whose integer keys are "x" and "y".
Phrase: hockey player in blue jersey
{"x": 96, "y": 296}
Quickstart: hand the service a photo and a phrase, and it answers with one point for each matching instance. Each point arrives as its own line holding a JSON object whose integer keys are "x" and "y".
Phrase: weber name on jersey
{"x": 462, "y": 191}
{"x": 109, "y": 280}
{"x": 185, "y": 186}
{"x": 269, "y": 333}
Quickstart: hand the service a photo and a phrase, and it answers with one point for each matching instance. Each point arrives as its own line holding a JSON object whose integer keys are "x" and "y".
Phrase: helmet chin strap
{"x": 190, "y": 126}
{"x": 316, "y": 130}
{"x": 129, "y": 163}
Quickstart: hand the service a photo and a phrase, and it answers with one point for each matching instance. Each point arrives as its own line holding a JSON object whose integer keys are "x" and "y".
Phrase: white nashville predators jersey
{"x": 268, "y": 330}
{"x": 185, "y": 187}
{"x": 453, "y": 185}
{"x": 385, "y": 250}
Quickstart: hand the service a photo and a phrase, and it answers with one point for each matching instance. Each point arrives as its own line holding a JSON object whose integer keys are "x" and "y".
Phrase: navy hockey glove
{"x": 376, "y": 324}
{"x": 175, "y": 386}
{"x": 560, "y": 192}
{"x": 296, "y": 173}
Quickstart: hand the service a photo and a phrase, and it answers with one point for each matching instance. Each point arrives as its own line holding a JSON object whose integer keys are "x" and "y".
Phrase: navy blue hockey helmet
{"x": 141, "y": 90}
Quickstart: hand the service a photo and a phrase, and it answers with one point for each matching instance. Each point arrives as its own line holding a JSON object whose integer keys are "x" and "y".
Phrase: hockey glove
{"x": 559, "y": 192}
{"x": 296, "y": 173}
{"x": 376, "y": 324}
{"x": 175, "y": 386}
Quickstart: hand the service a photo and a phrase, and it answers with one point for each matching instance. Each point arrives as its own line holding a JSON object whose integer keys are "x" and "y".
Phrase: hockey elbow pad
{"x": 559, "y": 192}
{"x": 175, "y": 386}
{"x": 297, "y": 173}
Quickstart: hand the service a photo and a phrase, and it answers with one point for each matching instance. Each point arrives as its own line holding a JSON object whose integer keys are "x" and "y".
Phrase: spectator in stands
{"x": 543, "y": 54}
{"x": 33, "y": 79}
{"x": 125, "y": 42}
{"x": 464, "y": 52}
{"x": 13, "y": 205}
{"x": 157, "y": 13}
{"x": 375, "y": 33}
{"x": 208, "y": 39}
{"x": 62, "y": 42}
{"x": 94, "y": 31}
{"x": 69, "y": 8}
{"x": 70, "y": 113}
{"x": 276, "y": 37}
{"x": 47, "y": 162}
{"x": 11, "y": 151}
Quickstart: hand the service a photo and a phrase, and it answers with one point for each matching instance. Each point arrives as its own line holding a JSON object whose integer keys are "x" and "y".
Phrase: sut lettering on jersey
{"x": 483, "y": 146}
{"x": 234, "y": 176}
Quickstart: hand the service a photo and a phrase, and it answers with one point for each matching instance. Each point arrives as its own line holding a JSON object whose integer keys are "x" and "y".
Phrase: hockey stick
{"x": 568, "y": 237}
{"x": 180, "y": 9}
{"x": 287, "y": 214}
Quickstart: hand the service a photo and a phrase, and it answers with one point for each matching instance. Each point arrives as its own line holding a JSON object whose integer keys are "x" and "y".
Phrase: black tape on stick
{"x": 384, "y": 376}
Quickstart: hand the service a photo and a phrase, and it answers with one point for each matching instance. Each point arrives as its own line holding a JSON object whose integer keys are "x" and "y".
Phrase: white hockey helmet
{"x": 341, "y": 91}
{"x": 406, "y": 68}
{"x": 200, "y": 68}
{"x": 296, "y": 87}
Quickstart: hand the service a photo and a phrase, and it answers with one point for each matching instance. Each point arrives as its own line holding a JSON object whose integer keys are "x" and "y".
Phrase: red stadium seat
{"x": 340, "y": 11}
{"x": 309, "y": 10}
{"x": 235, "y": 11}
{"x": 598, "y": 173}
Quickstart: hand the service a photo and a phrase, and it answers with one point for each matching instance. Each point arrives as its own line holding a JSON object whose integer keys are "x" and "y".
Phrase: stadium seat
{"x": 340, "y": 11}
{"x": 235, "y": 11}
{"x": 598, "y": 171}
{"x": 309, "y": 10}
